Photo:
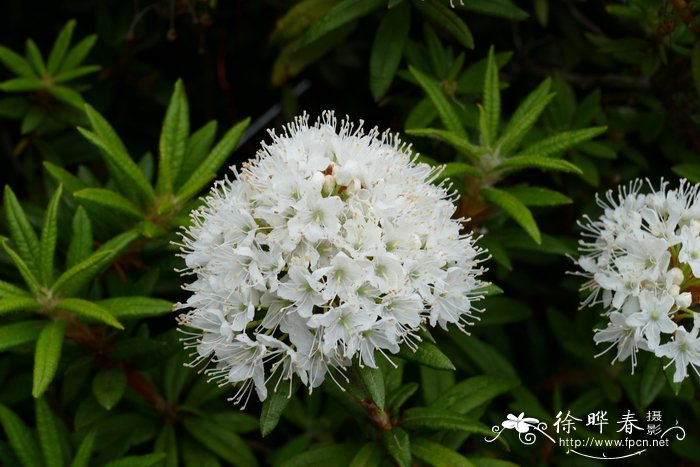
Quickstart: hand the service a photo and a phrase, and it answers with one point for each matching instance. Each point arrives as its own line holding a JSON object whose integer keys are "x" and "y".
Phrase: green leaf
{"x": 60, "y": 47}
{"x": 144, "y": 460}
{"x": 77, "y": 54}
{"x": 337, "y": 16}
{"x": 437, "y": 455}
{"x": 173, "y": 139}
{"x": 8, "y": 290}
{"x": 70, "y": 75}
{"x": 69, "y": 181}
{"x": 454, "y": 169}
{"x": 80, "y": 245}
{"x": 27, "y": 275}
{"x": 515, "y": 209}
{"x": 651, "y": 382}
{"x": 49, "y": 234}
{"x": 500, "y": 8}
{"x": 538, "y": 162}
{"x": 67, "y": 96}
{"x": 421, "y": 418}
{"x": 272, "y": 409}
{"x": 110, "y": 200}
{"x": 21, "y": 439}
{"x": 691, "y": 171}
{"x": 167, "y": 443}
{"x": 537, "y": 196}
{"x": 82, "y": 457}
{"x": 490, "y": 110}
{"x": 329, "y": 455}
{"x": 109, "y": 386}
{"x": 21, "y": 85}
{"x": 125, "y": 171}
{"x": 373, "y": 380}
{"x": 88, "y": 310}
{"x": 397, "y": 442}
{"x": 136, "y": 307}
{"x": 35, "y": 118}
{"x": 471, "y": 81}
{"x": 471, "y": 393}
{"x": 399, "y": 396}
{"x": 524, "y": 117}
{"x": 207, "y": 169}
{"x": 370, "y": 455}
{"x": 49, "y": 436}
{"x": 426, "y": 354}
{"x": 16, "y": 63}
{"x": 446, "y": 19}
{"x": 21, "y": 232}
{"x": 47, "y": 355}
{"x": 224, "y": 443}
{"x": 16, "y": 334}
{"x": 12, "y": 304}
{"x": 387, "y": 49}
{"x": 459, "y": 142}
{"x": 445, "y": 110}
{"x": 35, "y": 57}
{"x": 561, "y": 141}
{"x": 198, "y": 146}
{"x": 484, "y": 356}
{"x": 14, "y": 107}
{"x": 298, "y": 18}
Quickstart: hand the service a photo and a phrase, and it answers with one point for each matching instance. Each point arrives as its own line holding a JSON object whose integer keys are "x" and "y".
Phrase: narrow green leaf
{"x": 14, "y": 108}
{"x": 35, "y": 58}
{"x": 691, "y": 171}
{"x": 82, "y": 457}
{"x": 515, "y": 209}
{"x": 537, "y": 196}
{"x": 167, "y": 443}
{"x": 490, "y": 111}
{"x": 69, "y": 181}
{"x": 499, "y": 8}
{"x": 328, "y": 455}
{"x": 21, "y": 85}
{"x": 49, "y": 436}
{"x": 28, "y": 276}
{"x": 651, "y": 382}
{"x": 173, "y": 139}
{"x": 447, "y": 113}
{"x": 21, "y": 232}
{"x": 537, "y": 162}
{"x": 397, "y": 442}
{"x": 144, "y": 460}
{"x": 76, "y": 73}
{"x": 16, "y": 334}
{"x": 272, "y": 409}
{"x": 77, "y": 54}
{"x": 561, "y": 141}
{"x": 370, "y": 455}
{"x": 337, "y": 16}
{"x": 110, "y": 200}
{"x": 207, "y": 169}
{"x": 108, "y": 386}
{"x": 471, "y": 393}
{"x": 21, "y": 439}
{"x": 426, "y": 354}
{"x": 446, "y": 19}
{"x": 88, "y": 310}
{"x": 136, "y": 307}
{"x": 12, "y": 304}
{"x": 125, "y": 171}
{"x": 60, "y": 47}
{"x": 484, "y": 356}
{"x": 399, "y": 396}
{"x": 80, "y": 245}
{"x": 198, "y": 146}
{"x": 223, "y": 442}
{"x": 373, "y": 380}
{"x": 298, "y": 18}
{"x": 49, "y": 234}
{"x": 387, "y": 49}
{"x": 438, "y": 455}
{"x": 16, "y": 63}
{"x": 67, "y": 96}
{"x": 421, "y": 418}
{"x": 460, "y": 142}
{"x": 8, "y": 290}
{"x": 454, "y": 169}
{"x": 47, "y": 356}
{"x": 524, "y": 117}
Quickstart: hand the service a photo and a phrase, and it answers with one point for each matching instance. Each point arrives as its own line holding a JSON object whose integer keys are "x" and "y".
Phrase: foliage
{"x": 531, "y": 108}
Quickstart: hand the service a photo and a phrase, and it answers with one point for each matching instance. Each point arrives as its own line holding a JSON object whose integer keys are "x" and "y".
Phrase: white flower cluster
{"x": 642, "y": 258}
{"x": 330, "y": 245}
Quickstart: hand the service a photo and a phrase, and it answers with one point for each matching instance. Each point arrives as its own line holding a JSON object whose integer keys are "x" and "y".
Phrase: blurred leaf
{"x": 399, "y": 396}
{"x": 370, "y": 455}
{"x": 484, "y": 356}
{"x": 67, "y": 96}
{"x": 21, "y": 85}
{"x": 49, "y": 436}
{"x": 387, "y": 49}
{"x": 16, "y": 63}
{"x": 421, "y": 418}
{"x": 24, "y": 332}
{"x": 330, "y": 455}
{"x": 515, "y": 208}
{"x": 447, "y": 20}
{"x": 77, "y": 54}
{"x": 471, "y": 393}
{"x": 89, "y": 310}
{"x": 691, "y": 171}
{"x": 109, "y": 386}
{"x": 69, "y": 181}
{"x": 501, "y": 8}
{"x": 221, "y": 441}
{"x": 82, "y": 456}
{"x": 537, "y": 196}
{"x": 60, "y": 47}
{"x": 21, "y": 439}
{"x": 35, "y": 57}
{"x": 167, "y": 444}
{"x": 12, "y": 304}
{"x": 145, "y": 460}
{"x": 426, "y": 354}
{"x": 651, "y": 382}
{"x": 337, "y": 16}
{"x": 398, "y": 444}
{"x": 47, "y": 355}
{"x": 437, "y": 455}
{"x": 298, "y": 18}
{"x": 694, "y": 65}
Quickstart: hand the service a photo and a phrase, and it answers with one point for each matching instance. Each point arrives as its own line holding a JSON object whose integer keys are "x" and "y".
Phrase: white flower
{"x": 330, "y": 246}
{"x": 683, "y": 350}
{"x": 641, "y": 257}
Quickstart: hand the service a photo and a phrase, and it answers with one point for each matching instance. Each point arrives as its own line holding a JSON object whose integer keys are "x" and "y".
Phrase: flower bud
{"x": 684, "y": 300}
